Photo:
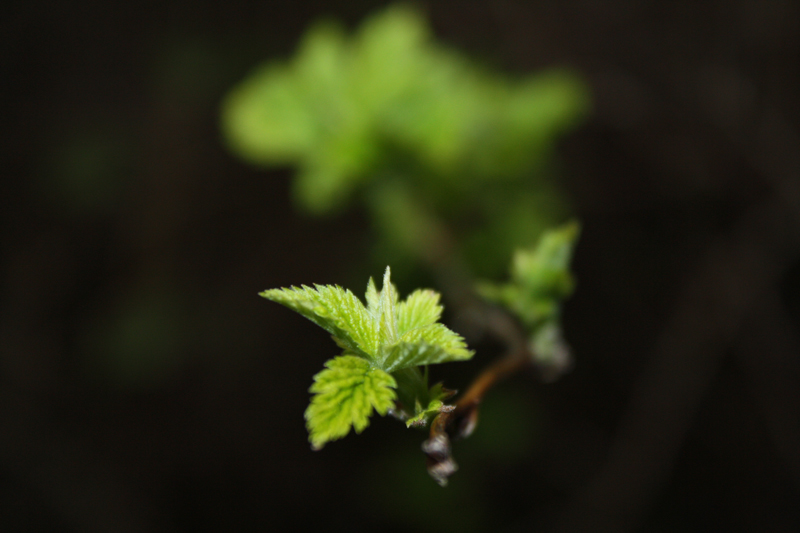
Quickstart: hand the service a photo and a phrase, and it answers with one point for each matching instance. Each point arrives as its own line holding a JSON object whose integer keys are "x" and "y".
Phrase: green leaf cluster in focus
{"x": 384, "y": 342}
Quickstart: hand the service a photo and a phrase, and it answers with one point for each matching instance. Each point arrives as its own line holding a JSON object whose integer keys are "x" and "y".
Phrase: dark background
{"x": 145, "y": 387}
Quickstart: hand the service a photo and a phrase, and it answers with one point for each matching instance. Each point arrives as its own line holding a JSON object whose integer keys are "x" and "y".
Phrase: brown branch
{"x": 498, "y": 370}
{"x": 456, "y": 283}
{"x": 461, "y": 420}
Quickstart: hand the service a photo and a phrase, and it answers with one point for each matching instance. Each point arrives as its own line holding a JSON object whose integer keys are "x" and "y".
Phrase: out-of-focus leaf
{"x": 540, "y": 279}
{"x": 266, "y": 121}
{"x": 388, "y": 103}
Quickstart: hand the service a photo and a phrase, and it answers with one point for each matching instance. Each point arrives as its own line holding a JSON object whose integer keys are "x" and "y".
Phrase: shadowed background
{"x": 146, "y": 387}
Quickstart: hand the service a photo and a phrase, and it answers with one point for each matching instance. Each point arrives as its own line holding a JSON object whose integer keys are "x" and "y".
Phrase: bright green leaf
{"x": 405, "y": 354}
{"x": 440, "y": 336}
{"x": 421, "y": 308}
{"x": 345, "y": 394}
{"x": 336, "y": 310}
{"x": 390, "y": 333}
{"x": 387, "y": 310}
{"x": 373, "y": 297}
{"x": 425, "y": 346}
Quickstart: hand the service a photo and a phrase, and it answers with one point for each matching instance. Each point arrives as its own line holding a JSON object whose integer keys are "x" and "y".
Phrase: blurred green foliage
{"x": 540, "y": 278}
{"x": 435, "y": 145}
{"x": 540, "y": 281}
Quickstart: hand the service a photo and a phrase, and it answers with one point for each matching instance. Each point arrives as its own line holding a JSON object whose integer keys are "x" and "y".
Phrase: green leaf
{"x": 384, "y": 343}
{"x": 430, "y": 345}
{"x": 547, "y": 267}
{"x": 336, "y": 310}
{"x": 328, "y": 174}
{"x": 420, "y": 309}
{"x": 422, "y": 340}
{"x": 424, "y": 416}
{"x": 373, "y": 297}
{"x": 265, "y": 119}
{"x": 440, "y": 336}
{"x": 320, "y": 67}
{"x": 345, "y": 394}
{"x": 540, "y": 279}
{"x": 406, "y": 354}
{"x": 389, "y": 333}
{"x": 387, "y": 310}
{"x": 416, "y": 403}
{"x": 388, "y": 56}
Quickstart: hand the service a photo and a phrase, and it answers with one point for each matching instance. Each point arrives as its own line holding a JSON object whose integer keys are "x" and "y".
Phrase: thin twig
{"x": 461, "y": 421}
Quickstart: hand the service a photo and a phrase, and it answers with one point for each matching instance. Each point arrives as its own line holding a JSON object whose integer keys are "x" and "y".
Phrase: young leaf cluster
{"x": 345, "y": 109}
{"x": 383, "y": 342}
{"x": 540, "y": 281}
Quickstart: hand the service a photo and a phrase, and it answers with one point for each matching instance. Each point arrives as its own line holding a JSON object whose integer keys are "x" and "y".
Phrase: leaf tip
{"x": 387, "y": 275}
